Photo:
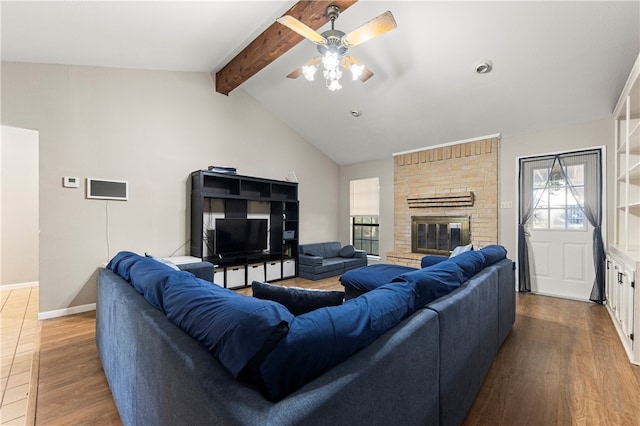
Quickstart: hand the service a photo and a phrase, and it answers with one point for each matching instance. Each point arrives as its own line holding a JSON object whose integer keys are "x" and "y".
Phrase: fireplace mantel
{"x": 451, "y": 199}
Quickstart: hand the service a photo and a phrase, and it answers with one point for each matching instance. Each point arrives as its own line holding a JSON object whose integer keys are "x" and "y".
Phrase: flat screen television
{"x": 235, "y": 236}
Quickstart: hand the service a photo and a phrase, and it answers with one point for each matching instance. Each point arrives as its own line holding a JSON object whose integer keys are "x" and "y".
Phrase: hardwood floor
{"x": 561, "y": 364}
{"x": 72, "y": 388}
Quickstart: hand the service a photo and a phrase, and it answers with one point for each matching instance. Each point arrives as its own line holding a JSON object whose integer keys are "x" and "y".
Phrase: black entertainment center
{"x": 246, "y": 226}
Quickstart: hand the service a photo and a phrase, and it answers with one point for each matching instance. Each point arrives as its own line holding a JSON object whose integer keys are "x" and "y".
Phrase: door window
{"x": 558, "y": 198}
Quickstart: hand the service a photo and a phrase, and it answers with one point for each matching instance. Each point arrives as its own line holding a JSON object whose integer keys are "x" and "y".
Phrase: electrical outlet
{"x": 506, "y": 205}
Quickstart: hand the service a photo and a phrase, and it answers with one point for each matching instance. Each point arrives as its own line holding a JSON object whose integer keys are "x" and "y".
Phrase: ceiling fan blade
{"x": 371, "y": 29}
{"x": 347, "y": 61}
{"x": 294, "y": 25}
{"x": 295, "y": 73}
{"x": 298, "y": 71}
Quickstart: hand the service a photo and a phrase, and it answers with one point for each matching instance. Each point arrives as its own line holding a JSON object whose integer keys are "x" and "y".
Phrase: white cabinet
{"x": 274, "y": 271}
{"x": 235, "y": 277}
{"x": 288, "y": 268}
{"x": 255, "y": 272}
{"x": 623, "y": 301}
{"x": 623, "y": 258}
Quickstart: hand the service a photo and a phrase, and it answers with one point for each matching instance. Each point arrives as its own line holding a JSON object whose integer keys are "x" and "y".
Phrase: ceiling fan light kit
{"x": 333, "y": 44}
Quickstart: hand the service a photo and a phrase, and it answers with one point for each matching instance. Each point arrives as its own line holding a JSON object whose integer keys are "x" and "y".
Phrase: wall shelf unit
{"x": 226, "y": 196}
{"x": 623, "y": 257}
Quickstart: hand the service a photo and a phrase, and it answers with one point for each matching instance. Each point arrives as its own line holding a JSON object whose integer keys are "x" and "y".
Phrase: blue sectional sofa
{"x": 323, "y": 260}
{"x": 414, "y": 351}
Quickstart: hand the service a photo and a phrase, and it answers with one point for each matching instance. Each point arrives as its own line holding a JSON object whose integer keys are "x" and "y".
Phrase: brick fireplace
{"x": 455, "y": 181}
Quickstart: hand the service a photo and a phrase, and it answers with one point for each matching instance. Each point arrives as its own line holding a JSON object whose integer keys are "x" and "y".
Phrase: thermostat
{"x": 70, "y": 182}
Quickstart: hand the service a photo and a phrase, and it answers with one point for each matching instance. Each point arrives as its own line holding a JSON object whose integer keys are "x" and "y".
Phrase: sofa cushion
{"x": 493, "y": 253}
{"x": 297, "y": 300}
{"x": 320, "y": 339}
{"x": 328, "y": 265}
{"x": 372, "y": 276}
{"x": 431, "y": 260}
{"x": 313, "y": 253}
{"x": 347, "y": 251}
{"x": 145, "y": 274}
{"x": 316, "y": 249}
{"x": 353, "y": 262}
{"x": 231, "y": 326}
{"x": 434, "y": 282}
{"x": 471, "y": 263}
{"x": 121, "y": 264}
{"x": 332, "y": 249}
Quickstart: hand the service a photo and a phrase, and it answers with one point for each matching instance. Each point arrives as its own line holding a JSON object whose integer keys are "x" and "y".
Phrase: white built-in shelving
{"x": 623, "y": 257}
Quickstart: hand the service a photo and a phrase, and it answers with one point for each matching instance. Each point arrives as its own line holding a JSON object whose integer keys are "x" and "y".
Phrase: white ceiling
{"x": 555, "y": 62}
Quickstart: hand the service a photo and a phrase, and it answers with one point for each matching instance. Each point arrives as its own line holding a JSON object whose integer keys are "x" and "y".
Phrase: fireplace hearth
{"x": 439, "y": 234}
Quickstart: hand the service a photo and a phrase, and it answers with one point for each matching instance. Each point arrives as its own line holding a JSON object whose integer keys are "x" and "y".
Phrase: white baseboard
{"x": 19, "y": 285}
{"x": 66, "y": 311}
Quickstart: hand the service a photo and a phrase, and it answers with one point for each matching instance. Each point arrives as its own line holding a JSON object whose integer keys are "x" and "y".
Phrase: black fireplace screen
{"x": 439, "y": 234}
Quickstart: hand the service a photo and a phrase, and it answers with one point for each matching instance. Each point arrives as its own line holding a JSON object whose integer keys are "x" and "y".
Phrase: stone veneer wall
{"x": 470, "y": 166}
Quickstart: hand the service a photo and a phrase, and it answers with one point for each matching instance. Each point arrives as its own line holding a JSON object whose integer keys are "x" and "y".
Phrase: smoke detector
{"x": 484, "y": 67}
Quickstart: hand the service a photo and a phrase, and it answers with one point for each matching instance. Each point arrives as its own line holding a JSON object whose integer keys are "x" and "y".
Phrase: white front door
{"x": 560, "y": 236}
{"x": 561, "y": 263}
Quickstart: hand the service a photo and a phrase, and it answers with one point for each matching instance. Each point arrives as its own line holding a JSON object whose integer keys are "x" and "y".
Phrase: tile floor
{"x": 18, "y": 325}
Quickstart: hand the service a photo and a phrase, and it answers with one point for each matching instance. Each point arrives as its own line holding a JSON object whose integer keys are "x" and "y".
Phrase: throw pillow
{"x": 312, "y": 253}
{"x": 347, "y": 251}
{"x": 461, "y": 249}
{"x": 297, "y": 300}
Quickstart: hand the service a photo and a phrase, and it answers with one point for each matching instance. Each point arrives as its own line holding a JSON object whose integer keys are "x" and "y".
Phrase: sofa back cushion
{"x": 324, "y": 250}
{"x": 321, "y": 339}
{"x": 148, "y": 276}
{"x": 332, "y": 249}
{"x": 434, "y": 282}
{"x": 471, "y": 263}
{"x": 493, "y": 254}
{"x": 233, "y": 327}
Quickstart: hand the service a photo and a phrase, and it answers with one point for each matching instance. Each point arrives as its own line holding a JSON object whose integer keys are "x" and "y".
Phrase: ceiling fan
{"x": 333, "y": 44}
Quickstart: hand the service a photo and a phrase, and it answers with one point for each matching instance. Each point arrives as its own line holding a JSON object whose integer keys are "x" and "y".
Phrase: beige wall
{"x": 18, "y": 206}
{"x": 151, "y": 129}
{"x": 571, "y": 137}
{"x": 383, "y": 170}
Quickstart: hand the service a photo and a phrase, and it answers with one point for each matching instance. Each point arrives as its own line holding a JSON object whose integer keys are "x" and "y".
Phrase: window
{"x": 364, "y": 212}
{"x": 365, "y": 234}
{"x": 558, "y": 198}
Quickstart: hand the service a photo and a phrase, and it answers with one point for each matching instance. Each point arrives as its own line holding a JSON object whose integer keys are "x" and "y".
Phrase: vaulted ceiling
{"x": 555, "y": 63}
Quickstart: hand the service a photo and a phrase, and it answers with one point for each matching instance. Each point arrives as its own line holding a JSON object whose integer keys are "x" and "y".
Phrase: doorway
{"x": 19, "y": 218}
{"x": 560, "y": 249}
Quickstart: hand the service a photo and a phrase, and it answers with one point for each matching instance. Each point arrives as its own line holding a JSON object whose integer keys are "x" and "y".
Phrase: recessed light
{"x": 484, "y": 67}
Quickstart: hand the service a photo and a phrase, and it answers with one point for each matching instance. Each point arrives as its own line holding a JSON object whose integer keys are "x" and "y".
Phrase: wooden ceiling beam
{"x": 272, "y": 43}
